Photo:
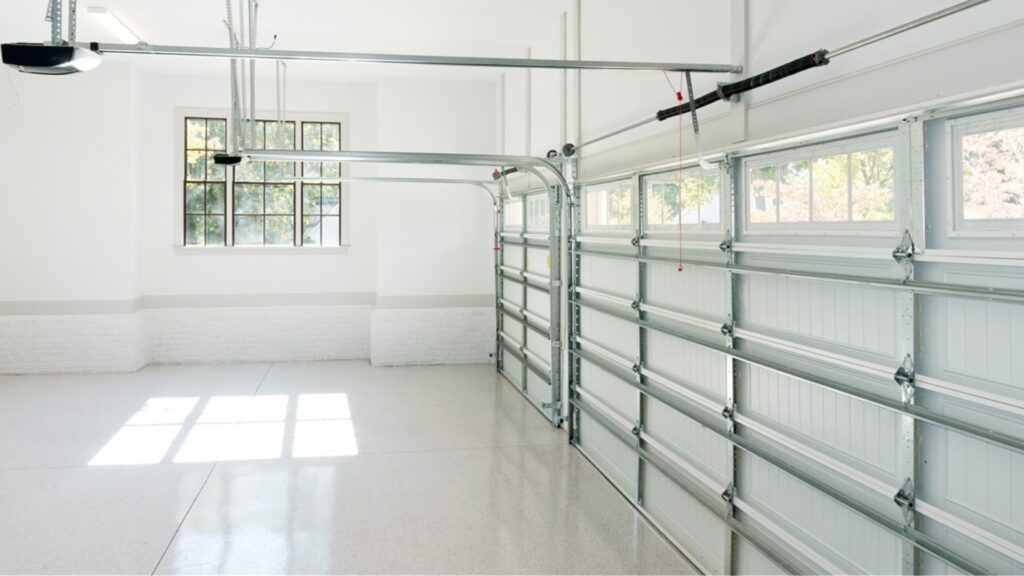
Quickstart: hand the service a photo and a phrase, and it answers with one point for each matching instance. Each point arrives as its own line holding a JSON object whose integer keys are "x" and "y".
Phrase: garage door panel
{"x": 513, "y": 256}
{"x": 688, "y": 439}
{"x": 687, "y": 364}
{"x": 616, "y": 277}
{"x": 609, "y": 332}
{"x": 853, "y": 317}
{"x": 537, "y": 261}
{"x": 701, "y": 533}
{"x": 512, "y": 368}
{"x": 512, "y": 292}
{"x": 695, "y": 290}
{"x": 859, "y": 433}
{"x": 842, "y": 535}
{"x": 750, "y": 560}
{"x": 972, "y": 550}
{"x": 617, "y": 460}
{"x": 537, "y": 388}
{"x": 973, "y": 479}
{"x": 610, "y": 390}
{"x": 512, "y": 327}
{"x": 978, "y": 339}
{"x": 539, "y": 345}
{"x": 538, "y": 303}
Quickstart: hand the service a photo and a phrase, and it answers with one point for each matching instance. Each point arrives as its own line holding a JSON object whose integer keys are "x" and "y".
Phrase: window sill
{"x": 261, "y": 250}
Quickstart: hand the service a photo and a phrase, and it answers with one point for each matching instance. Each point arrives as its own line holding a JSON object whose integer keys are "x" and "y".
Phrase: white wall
{"x": 91, "y": 276}
{"x": 436, "y": 240}
{"x": 972, "y": 51}
{"x": 66, "y": 187}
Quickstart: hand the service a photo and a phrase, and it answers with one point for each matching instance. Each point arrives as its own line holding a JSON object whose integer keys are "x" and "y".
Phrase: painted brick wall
{"x": 410, "y": 336}
{"x": 294, "y": 333}
{"x": 72, "y": 343}
{"x": 34, "y": 344}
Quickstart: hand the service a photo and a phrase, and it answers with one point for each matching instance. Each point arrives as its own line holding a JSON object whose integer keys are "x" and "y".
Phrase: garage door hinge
{"x": 905, "y": 499}
{"x": 904, "y": 377}
{"x": 728, "y": 327}
{"x": 638, "y": 429}
{"x": 726, "y": 245}
{"x": 904, "y": 253}
{"x": 730, "y": 493}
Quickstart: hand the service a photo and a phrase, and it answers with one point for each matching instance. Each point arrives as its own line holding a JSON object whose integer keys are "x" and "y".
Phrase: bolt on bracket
{"x": 904, "y": 377}
{"x": 730, "y": 493}
{"x": 728, "y": 327}
{"x": 726, "y": 245}
{"x": 904, "y": 253}
{"x": 906, "y": 499}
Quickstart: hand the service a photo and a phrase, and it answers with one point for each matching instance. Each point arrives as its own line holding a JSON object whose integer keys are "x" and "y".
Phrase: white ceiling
{"x": 441, "y": 27}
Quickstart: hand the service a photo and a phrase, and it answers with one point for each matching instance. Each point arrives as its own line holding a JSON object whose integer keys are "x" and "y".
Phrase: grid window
{"x": 537, "y": 212}
{"x": 261, "y": 203}
{"x": 992, "y": 174}
{"x": 609, "y": 204}
{"x": 205, "y": 183}
{"x": 264, "y": 192}
{"x": 848, "y": 187}
{"x": 321, "y": 201}
{"x": 692, "y": 198}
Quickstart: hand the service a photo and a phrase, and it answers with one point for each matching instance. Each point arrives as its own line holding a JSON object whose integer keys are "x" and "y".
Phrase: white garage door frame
{"x": 645, "y": 421}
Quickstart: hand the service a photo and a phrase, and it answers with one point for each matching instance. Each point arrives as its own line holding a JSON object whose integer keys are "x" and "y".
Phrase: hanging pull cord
{"x": 679, "y": 215}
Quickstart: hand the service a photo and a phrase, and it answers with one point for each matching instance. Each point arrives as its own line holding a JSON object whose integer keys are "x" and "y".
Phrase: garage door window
{"x": 988, "y": 171}
{"x": 844, "y": 186}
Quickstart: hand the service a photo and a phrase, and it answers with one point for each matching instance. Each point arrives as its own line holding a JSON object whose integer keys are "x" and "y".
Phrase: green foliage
{"x": 671, "y": 196}
{"x": 993, "y": 175}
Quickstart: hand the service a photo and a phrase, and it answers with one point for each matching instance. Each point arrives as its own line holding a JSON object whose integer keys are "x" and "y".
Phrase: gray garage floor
{"x": 302, "y": 468}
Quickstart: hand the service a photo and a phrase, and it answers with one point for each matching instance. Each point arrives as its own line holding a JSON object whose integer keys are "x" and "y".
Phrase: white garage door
{"x": 525, "y": 298}
{"x": 812, "y": 359}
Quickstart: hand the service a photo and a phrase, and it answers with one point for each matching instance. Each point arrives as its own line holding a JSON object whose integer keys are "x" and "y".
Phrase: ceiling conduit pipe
{"x": 813, "y": 60}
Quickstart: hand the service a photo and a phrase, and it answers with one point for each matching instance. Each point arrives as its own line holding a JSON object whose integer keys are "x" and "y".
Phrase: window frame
{"x": 624, "y": 229}
{"x": 180, "y": 172}
{"x": 810, "y": 152}
{"x": 955, "y": 129}
{"x": 693, "y": 228}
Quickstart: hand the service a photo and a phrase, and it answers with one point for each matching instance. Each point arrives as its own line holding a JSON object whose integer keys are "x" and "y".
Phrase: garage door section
{"x": 527, "y": 298}
{"x": 768, "y": 360}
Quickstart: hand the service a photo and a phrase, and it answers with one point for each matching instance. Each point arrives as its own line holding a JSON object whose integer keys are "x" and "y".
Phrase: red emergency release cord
{"x": 679, "y": 216}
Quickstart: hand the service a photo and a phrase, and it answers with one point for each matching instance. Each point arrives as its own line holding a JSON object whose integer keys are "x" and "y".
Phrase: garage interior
{"x": 543, "y": 287}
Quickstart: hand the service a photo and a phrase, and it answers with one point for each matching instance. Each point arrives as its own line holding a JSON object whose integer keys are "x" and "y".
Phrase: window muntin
{"x": 991, "y": 171}
{"x": 205, "y": 187}
{"x": 692, "y": 197}
{"x": 848, "y": 187}
{"x": 264, "y": 206}
{"x": 609, "y": 204}
{"x": 261, "y": 203}
{"x": 321, "y": 201}
{"x": 537, "y": 212}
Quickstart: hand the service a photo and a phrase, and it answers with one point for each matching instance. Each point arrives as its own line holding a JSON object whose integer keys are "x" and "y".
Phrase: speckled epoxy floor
{"x": 302, "y": 468}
